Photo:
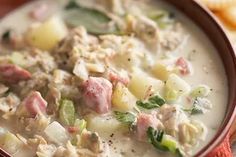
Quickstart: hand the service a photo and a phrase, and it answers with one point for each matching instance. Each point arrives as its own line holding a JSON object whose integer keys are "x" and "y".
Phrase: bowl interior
{"x": 214, "y": 30}
{"x": 206, "y": 21}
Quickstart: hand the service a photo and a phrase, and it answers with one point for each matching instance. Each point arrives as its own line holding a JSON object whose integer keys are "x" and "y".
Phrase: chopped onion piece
{"x": 56, "y": 133}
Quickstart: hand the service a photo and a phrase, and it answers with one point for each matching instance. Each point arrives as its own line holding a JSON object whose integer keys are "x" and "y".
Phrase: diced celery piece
{"x": 171, "y": 95}
{"x": 200, "y": 91}
{"x": 67, "y": 112}
{"x": 169, "y": 142}
{"x": 56, "y": 133}
{"x": 81, "y": 124}
{"x": 10, "y": 143}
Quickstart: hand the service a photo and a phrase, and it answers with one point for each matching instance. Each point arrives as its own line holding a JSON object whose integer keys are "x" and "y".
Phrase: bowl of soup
{"x": 116, "y": 78}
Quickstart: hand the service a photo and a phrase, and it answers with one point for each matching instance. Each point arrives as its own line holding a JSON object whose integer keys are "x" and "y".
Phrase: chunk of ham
{"x": 34, "y": 103}
{"x": 183, "y": 66}
{"x": 11, "y": 73}
{"x": 145, "y": 121}
{"x": 97, "y": 94}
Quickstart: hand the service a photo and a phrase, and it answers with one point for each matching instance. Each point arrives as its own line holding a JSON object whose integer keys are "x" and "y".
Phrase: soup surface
{"x": 101, "y": 78}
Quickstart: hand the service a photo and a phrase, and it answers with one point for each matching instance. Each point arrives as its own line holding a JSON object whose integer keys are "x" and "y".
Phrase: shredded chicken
{"x": 171, "y": 116}
{"x": 37, "y": 124}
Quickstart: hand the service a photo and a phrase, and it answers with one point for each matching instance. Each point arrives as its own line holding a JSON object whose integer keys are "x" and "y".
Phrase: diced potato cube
{"x": 10, "y": 143}
{"x": 122, "y": 98}
{"x": 176, "y": 83}
{"x": 45, "y": 36}
{"x": 171, "y": 95}
{"x": 161, "y": 71}
{"x": 103, "y": 124}
{"x": 140, "y": 84}
{"x": 56, "y": 133}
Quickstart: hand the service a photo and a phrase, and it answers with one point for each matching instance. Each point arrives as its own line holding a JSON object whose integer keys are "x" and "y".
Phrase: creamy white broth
{"x": 208, "y": 69}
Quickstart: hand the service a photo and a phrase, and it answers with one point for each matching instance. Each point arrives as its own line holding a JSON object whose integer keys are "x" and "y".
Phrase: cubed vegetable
{"x": 200, "y": 91}
{"x": 67, "y": 112}
{"x": 171, "y": 95}
{"x": 122, "y": 99}
{"x": 45, "y": 36}
{"x": 10, "y": 143}
{"x": 140, "y": 84}
{"x": 56, "y": 133}
{"x": 169, "y": 142}
{"x": 176, "y": 83}
{"x": 161, "y": 71}
{"x": 103, "y": 124}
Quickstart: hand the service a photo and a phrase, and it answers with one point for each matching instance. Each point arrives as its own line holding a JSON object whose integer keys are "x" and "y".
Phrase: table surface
{"x": 7, "y": 5}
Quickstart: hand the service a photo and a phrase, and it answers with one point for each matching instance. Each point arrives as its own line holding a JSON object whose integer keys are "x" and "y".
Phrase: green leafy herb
{"x": 196, "y": 108}
{"x": 153, "y": 102}
{"x": 95, "y": 21}
{"x": 71, "y": 5}
{"x": 147, "y": 105}
{"x": 125, "y": 117}
{"x": 160, "y": 141}
{"x": 157, "y": 100}
{"x": 155, "y": 138}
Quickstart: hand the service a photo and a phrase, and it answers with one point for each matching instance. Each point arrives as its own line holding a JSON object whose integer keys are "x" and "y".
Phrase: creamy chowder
{"x": 100, "y": 78}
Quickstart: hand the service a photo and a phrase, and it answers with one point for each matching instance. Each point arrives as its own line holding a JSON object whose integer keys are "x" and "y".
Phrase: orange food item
{"x": 218, "y": 5}
{"x": 229, "y": 16}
